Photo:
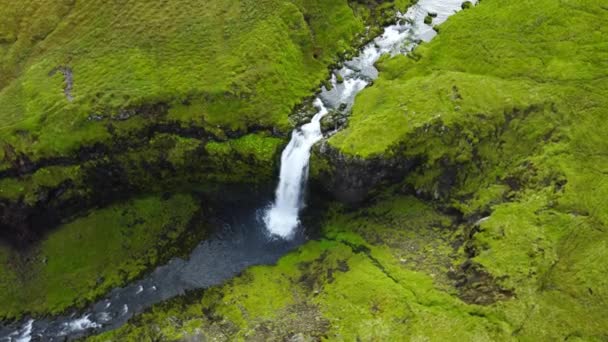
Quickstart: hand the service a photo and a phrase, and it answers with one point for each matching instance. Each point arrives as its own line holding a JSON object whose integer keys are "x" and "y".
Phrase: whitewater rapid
{"x": 282, "y": 217}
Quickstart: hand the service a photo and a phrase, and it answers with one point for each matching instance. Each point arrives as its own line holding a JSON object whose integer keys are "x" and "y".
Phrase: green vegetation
{"x": 91, "y": 255}
{"x": 168, "y": 162}
{"x": 28, "y": 187}
{"x": 466, "y": 5}
{"x": 227, "y": 64}
{"x": 339, "y": 288}
{"x": 504, "y": 114}
{"x": 508, "y": 121}
{"x": 131, "y": 98}
{"x": 445, "y": 83}
{"x": 250, "y": 159}
{"x": 164, "y": 162}
{"x": 111, "y": 98}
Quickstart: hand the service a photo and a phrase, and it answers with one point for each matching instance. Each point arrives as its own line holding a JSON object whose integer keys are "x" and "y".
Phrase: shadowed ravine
{"x": 240, "y": 240}
{"x": 242, "y": 237}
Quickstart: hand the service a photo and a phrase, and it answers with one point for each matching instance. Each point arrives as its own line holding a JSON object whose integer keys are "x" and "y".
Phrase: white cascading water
{"x": 282, "y": 218}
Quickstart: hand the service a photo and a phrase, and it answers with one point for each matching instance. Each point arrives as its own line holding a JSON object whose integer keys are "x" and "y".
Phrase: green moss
{"x": 496, "y": 75}
{"x": 380, "y": 273}
{"x": 445, "y": 99}
{"x": 512, "y": 115}
{"x": 250, "y": 159}
{"x": 215, "y": 62}
{"x": 416, "y": 234}
{"x": 402, "y": 5}
{"x": 28, "y": 187}
{"x": 261, "y": 146}
{"x": 339, "y": 288}
{"x": 513, "y": 112}
{"x": 164, "y": 161}
{"x": 339, "y": 78}
{"x": 318, "y": 164}
{"x": 182, "y": 150}
{"x": 83, "y": 259}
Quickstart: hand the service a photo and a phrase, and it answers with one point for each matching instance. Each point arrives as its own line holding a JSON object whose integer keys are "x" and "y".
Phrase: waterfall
{"x": 282, "y": 218}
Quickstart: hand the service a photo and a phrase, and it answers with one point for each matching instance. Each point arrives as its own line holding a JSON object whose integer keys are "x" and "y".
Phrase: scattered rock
{"x": 339, "y": 78}
{"x": 68, "y": 77}
{"x": 466, "y": 5}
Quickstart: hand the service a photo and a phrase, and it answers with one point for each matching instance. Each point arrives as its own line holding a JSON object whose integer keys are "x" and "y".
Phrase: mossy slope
{"x": 87, "y": 257}
{"x": 34, "y": 203}
{"x": 506, "y": 109}
{"x": 389, "y": 271}
{"x": 221, "y": 63}
{"x": 103, "y": 97}
{"x": 339, "y": 288}
{"x": 103, "y": 101}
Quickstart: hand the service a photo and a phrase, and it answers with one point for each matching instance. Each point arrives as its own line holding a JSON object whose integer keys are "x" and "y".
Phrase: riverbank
{"x": 86, "y": 258}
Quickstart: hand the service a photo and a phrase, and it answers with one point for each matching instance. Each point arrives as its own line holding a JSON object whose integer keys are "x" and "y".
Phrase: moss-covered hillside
{"x": 498, "y": 232}
{"x": 86, "y": 258}
{"x": 101, "y": 100}
{"x": 68, "y": 64}
{"x": 113, "y": 113}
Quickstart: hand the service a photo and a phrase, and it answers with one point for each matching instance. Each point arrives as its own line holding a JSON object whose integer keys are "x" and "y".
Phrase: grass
{"x": 28, "y": 188}
{"x": 217, "y": 68}
{"x": 381, "y": 273}
{"x": 222, "y": 57}
{"x": 513, "y": 111}
{"x": 528, "y": 63}
{"x": 87, "y": 257}
{"x": 342, "y": 287}
{"x": 509, "y": 101}
{"x": 164, "y": 161}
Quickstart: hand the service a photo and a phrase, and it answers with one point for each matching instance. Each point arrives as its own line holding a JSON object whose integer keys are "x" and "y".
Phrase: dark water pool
{"x": 239, "y": 239}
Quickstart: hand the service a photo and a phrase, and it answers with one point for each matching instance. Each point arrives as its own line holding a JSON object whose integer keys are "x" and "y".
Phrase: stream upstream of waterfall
{"x": 250, "y": 235}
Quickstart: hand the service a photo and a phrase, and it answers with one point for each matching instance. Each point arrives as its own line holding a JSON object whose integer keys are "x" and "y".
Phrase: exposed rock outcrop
{"x": 351, "y": 179}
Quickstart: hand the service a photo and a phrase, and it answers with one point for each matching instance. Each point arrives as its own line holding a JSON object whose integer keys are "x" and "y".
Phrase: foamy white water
{"x": 23, "y": 335}
{"x": 139, "y": 290}
{"x": 80, "y": 324}
{"x": 282, "y": 218}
